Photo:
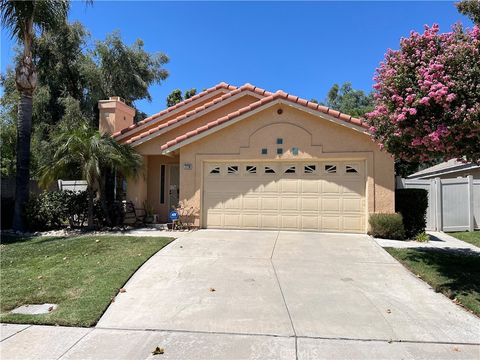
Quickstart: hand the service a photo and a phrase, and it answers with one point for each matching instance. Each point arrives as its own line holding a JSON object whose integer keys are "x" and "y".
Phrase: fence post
{"x": 438, "y": 204}
{"x": 470, "y": 203}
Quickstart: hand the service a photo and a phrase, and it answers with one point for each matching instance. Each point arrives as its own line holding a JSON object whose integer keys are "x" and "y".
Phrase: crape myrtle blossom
{"x": 427, "y": 96}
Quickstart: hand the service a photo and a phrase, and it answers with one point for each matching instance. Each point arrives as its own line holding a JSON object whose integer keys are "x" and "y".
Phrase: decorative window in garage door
{"x": 251, "y": 169}
{"x": 330, "y": 169}
{"x": 351, "y": 169}
{"x": 290, "y": 170}
{"x": 269, "y": 170}
{"x": 232, "y": 169}
{"x": 215, "y": 170}
{"x": 310, "y": 169}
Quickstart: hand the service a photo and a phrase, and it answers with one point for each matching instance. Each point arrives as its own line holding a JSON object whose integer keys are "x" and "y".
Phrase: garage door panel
{"x": 250, "y": 221}
{"x": 290, "y": 222}
{"x": 329, "y": 187}
{"x": 310, "y": 203}
{"x": 351, "y": 223}
{"x": 307, "y": 199}
{"x": 270, "y": 187}
{"x": 289, "y": 186}
{"x": 331, "y": 223}
{"x": 331, "y": 204}
{"x": 232, "y": 203}
{"x": 251, "y": 202}
{"x": 269, "y": 203}
{"x": 289, "y": 203}
{"x": 269, "y": 221}
{"x": 310, "y": 186}
{"x": 352, "y": 204}
{"x": 310, "y": 222}
{"x": 231, "y": 220}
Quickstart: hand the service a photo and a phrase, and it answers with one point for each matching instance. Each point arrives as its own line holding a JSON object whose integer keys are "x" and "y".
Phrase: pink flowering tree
{"x": 427, "y": 96}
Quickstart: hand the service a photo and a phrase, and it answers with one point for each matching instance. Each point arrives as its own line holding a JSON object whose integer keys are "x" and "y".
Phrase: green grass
{"x": 81, "y": 274}
{"x": 472, "y": 237}
{"x": 453, "y": 273}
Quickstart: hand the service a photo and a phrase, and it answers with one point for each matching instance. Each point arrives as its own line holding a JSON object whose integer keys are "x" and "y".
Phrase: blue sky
{"x": 299, "y": 47}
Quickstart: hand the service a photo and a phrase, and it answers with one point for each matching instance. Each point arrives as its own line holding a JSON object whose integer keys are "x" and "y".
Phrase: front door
{"x": 173, "y": 186}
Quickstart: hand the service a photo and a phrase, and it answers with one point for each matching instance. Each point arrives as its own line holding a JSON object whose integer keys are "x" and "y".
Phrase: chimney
{"x": 115, "y": 115}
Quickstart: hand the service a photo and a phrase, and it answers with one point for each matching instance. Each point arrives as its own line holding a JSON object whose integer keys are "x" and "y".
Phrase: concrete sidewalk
{"x": 52, "y": 342}
{"x": 438, "y": 240}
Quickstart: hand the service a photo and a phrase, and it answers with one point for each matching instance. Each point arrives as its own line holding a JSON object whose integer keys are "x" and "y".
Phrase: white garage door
{"x": 316, "y": 196}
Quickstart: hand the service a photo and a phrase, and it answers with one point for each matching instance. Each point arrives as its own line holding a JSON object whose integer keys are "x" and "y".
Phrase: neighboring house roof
{"x": 447, "y": 167}
{"x": 265, "y": 99}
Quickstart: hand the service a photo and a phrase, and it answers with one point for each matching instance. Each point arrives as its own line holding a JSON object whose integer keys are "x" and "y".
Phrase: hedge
{"x": 412, "y": 204}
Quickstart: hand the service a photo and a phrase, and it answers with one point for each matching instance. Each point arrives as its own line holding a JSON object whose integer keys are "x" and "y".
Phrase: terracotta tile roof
{"x": 269, "y": 98}
{"x": 246, "y": 87}
{"x": 219, "y": 86}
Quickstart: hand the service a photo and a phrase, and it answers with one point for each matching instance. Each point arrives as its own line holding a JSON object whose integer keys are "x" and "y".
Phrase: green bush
{"x": 412, "y": 204}
{"x": 52, "y": 210}
{"x": 422, "y": 237}
{"x": 387, "y": 226}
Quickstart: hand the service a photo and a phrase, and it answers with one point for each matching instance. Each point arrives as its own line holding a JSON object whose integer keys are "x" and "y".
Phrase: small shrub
{"x": 422, "y": 237}
{"x": 387, "y": 226}
{"x": 412, "y": 204}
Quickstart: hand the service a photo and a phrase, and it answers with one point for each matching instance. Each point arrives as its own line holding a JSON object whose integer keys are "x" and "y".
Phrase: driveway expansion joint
{"x": 19, "y": 331}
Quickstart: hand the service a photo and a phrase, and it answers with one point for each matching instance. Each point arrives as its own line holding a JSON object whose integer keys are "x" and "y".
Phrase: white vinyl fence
{"x": 453, "y": 204}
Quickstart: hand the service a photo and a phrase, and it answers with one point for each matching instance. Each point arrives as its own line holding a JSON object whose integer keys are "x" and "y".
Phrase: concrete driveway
{"x": 287, "y": 295}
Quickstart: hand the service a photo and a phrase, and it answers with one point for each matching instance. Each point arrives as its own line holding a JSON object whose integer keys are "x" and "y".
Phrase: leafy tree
{"x": 428, "y": 97}
{"x": 176, "y": 96}
{"x": 349, "y": 101}
{"x": 82, "y": 146}
{"x": 70, "y": 75}
{"x": 470, "y": 8}
{"x": 126, "y": 71}
{"x": 24, "y": 19}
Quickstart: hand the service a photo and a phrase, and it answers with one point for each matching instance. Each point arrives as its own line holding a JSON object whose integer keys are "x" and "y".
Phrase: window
{"x": 279, "y": 141}
{"x": 215, "y": 170}
{"x": 251, "y": 169}
{"x": 264, "y": 151}
{"x": 162, "y": 184}
{"x": 351, "y": 169}
{"x": 232, "y": 169}
{"x": 295, "y": 151}
{"x": 331, "y": 169}
{"x": 290, "y": 170}
{"x": 279, "y": 151}
{"x": 309, "y": 169}
{"x": 269, "y": 170}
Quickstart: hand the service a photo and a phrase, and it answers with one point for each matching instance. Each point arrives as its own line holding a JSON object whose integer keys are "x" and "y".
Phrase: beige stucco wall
{"x": 315, "y": 137}
{"x": 137, "y": 186}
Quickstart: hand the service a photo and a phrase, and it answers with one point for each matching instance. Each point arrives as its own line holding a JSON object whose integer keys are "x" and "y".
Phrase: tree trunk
{"x": 22, "y": 179}
{"x": 90, "y": 224}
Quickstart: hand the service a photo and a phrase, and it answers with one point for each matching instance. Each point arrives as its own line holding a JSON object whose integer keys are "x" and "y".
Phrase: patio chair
{"x": 133, "y": 216}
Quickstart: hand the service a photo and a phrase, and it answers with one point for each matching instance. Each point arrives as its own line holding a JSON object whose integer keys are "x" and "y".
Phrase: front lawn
{"x": 472, "y": 237}
{"x": 455, "y": 274}
{"x": 81, "y": 274}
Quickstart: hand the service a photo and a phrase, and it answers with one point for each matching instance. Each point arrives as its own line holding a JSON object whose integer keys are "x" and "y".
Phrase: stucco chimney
{"x": 115, "y": 115}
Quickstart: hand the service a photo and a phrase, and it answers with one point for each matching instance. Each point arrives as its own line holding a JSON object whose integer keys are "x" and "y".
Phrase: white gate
{"x": 453, "y": 204}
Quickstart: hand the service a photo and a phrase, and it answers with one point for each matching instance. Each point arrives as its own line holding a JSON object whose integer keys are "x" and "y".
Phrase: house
{"x": 448, "y": 170}
{"x": 246, "y": 158}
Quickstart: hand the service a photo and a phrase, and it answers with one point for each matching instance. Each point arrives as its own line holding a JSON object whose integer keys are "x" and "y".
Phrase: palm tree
{"x": 23, "y": 19}
{"x": 93, "y": 153}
